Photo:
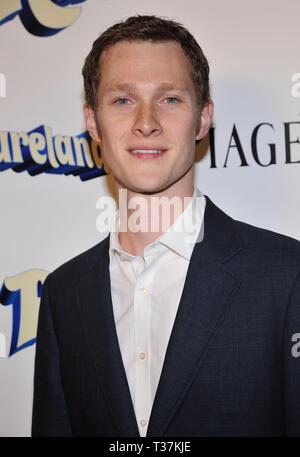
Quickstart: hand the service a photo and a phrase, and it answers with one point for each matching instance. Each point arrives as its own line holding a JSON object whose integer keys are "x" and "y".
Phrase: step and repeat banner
{"x": 52, "y": 174}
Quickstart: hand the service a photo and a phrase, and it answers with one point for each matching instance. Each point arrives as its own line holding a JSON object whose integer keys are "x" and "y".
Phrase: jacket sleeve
{"x": 50, "y": 414}
{"x": 291, "y": 363}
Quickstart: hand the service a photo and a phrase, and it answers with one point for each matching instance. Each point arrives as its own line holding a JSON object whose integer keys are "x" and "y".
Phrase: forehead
{"x": 138, "y": 62}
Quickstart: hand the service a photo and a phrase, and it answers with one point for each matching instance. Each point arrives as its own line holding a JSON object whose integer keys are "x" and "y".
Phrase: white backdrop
{"x": 253, "y": 51}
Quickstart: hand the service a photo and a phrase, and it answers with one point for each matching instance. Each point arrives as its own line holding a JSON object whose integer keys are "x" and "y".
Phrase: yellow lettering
{"x": 8, "y": 7}
{"x": 27, "y": 283}
{"x": 63, "y": 150}
{"x": 15, "y": 142}
{"x": 36, "y": 144}
{"x": 51, "y": 15}
{"x": 4, "y": 152}
{"x": 51, "y": 155}
{"x": 98, "y": 159}
{"x": 82, "y": 145}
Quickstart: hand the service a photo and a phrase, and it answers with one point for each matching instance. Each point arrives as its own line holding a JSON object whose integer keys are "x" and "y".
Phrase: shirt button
{"x": 143, "y": 422}
{"x": 142, "y": 355}
{"x": 143, "y": 290}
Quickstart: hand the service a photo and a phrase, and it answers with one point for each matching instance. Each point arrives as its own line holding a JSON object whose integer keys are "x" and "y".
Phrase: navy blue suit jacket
{"x": 229, "y": 370}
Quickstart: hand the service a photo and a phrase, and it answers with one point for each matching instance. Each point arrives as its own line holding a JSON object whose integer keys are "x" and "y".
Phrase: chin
{"x": 146, "y": 188}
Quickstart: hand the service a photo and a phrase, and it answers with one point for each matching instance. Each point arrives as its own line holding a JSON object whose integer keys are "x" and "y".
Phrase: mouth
{"x": 147, "y": 153}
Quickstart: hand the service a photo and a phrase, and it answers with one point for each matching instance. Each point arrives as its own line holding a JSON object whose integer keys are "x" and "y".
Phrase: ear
{"x": 206, "y": 117}
{"x": 90, "y": 122}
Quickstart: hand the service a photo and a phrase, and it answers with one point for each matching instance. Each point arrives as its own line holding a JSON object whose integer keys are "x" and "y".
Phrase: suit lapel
{"x": 94, "y": 297}
{"x": 208, "y": 292}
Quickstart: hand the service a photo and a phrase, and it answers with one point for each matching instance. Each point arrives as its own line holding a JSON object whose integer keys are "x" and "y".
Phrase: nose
{"x": 146, "y": 121}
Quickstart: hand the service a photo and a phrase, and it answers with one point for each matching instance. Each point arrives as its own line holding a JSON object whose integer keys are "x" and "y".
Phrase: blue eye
{"x": 171, "y": 99}
{"x": 122, "y": 101}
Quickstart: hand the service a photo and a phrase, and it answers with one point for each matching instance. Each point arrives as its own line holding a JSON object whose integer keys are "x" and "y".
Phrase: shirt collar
{"x": 184, "y": 233}
{"x": 180, "y": 236}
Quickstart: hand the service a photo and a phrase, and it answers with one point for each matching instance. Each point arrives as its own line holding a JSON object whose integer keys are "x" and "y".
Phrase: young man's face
{"x": 147, "y": 102}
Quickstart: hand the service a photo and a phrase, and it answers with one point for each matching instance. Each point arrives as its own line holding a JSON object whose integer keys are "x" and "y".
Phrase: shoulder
{"x": 269, "y": 247}
{"x": 72, "y": 270}
{"x": 252, "y": 235}
{"x": 257, "y": 247}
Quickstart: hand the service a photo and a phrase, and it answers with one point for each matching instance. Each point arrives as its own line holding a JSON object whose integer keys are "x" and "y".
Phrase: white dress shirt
{"x": 145, "y": 295}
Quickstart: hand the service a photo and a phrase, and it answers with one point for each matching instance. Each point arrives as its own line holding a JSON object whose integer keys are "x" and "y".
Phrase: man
{"x": 180, "y": 331}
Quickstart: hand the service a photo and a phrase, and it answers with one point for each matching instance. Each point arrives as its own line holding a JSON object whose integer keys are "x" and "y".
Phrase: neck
{"x": 144, "y": 217}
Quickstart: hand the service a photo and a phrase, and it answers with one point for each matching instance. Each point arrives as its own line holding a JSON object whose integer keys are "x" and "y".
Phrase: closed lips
{"x": 145, "y": 151}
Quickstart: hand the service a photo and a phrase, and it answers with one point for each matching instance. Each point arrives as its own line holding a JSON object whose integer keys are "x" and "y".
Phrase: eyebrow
{"x": 126, "y": 87}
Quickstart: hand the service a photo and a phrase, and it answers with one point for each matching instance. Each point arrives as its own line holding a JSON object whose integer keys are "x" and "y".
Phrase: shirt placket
{"x": 141, "y": 317}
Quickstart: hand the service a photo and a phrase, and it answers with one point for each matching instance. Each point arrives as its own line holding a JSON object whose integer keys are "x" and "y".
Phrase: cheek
{"x": 108, "y": 140}
{"x": 183, "y": 131}
{"x": 113, "y": 130}
{"x": 184, "y": 121}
